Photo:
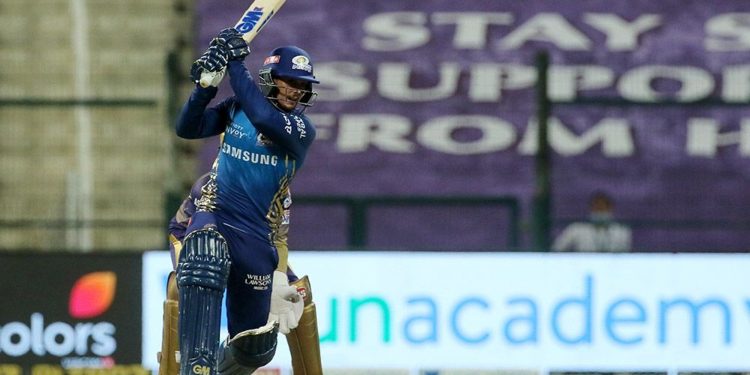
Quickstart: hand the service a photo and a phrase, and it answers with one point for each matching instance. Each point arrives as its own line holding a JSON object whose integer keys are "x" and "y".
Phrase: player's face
{"x": 290, "y": 92}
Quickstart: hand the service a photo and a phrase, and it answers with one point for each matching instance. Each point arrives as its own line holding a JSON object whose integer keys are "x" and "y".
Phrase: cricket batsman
{"x": 230, "y": 240}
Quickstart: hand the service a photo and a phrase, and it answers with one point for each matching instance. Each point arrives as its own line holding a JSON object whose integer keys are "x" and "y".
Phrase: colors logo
{"x": 91, "y": 296}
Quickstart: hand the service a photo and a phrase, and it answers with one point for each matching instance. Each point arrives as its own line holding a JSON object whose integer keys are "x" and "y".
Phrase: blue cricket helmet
{"x": 290, "y": 62}
{"x": 287, "y": 62}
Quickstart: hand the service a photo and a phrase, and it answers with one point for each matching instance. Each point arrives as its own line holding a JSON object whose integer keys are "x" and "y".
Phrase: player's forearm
{"x": 194, "y": 120}
{"x": 251, "y": 99}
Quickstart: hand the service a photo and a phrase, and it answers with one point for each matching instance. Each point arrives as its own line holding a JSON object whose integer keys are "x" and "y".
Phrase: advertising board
{"x": 538, "y": 312}
{"x": 70, "y": 314}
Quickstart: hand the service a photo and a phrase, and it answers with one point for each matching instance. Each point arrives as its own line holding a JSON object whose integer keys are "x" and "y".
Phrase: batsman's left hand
{"x": 286, "y": 303}
{"x": 231, "y": 40}
{"x": 213, "y": 60}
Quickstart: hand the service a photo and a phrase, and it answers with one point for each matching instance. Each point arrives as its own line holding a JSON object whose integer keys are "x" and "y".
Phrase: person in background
{"x": 601, "y": 233}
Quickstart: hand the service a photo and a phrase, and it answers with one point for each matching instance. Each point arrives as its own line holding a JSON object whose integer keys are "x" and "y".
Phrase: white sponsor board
{"x": 548, "y": 312}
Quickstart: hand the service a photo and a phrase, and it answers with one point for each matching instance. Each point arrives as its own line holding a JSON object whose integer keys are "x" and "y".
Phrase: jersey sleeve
{"x": 293, "y": 132}
{"x": 197, "y": 121}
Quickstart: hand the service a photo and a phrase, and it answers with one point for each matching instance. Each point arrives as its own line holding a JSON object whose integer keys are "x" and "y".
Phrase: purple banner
{"x": 437, "y": 98}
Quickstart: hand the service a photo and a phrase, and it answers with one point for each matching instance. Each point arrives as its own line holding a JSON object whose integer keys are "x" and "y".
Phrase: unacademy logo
{"x": 91, "y": 296}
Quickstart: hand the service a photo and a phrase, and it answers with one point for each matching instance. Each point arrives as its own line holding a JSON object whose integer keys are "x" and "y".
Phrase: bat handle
{"x": 211, "y": 78}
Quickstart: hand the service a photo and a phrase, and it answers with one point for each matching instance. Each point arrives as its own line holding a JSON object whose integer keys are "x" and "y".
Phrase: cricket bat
{"x": 252, "y": 21}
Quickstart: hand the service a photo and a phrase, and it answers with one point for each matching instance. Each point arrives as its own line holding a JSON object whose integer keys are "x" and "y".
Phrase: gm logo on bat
{"x": 250, "y": 19}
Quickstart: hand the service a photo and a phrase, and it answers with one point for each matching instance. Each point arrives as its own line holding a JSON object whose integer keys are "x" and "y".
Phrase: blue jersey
{"x": 262, "y": 149}
{"x": 181, "y": 220}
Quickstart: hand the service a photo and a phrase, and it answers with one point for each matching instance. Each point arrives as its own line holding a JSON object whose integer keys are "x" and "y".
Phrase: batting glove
{"x": 286, "y": 303}
{"x": 231, "y": 40}
{"x": 213, "y": 60}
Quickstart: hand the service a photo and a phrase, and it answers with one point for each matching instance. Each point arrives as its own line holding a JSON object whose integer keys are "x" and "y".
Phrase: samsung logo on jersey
{"x": 252, "y": 157}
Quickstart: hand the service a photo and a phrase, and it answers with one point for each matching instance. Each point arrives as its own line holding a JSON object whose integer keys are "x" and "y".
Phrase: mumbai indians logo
{"x": 301, "y": 62}
{"x": 250, "y": 19}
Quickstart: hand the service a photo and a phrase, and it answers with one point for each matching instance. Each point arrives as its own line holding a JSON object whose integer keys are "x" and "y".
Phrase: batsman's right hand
{"x": 213, "y": 60}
